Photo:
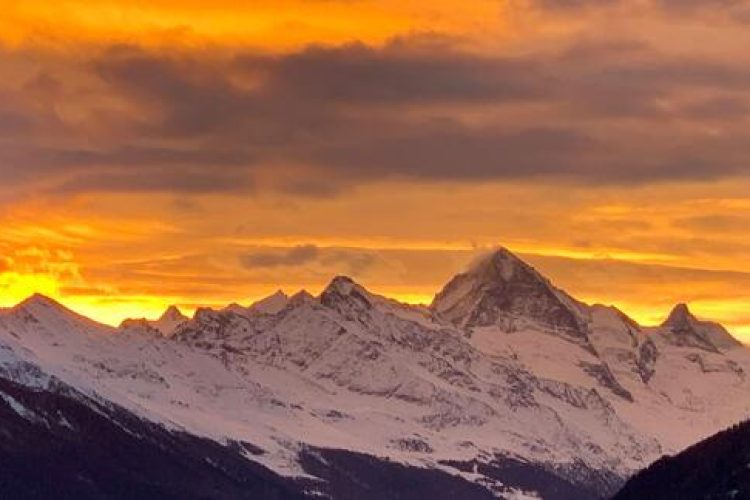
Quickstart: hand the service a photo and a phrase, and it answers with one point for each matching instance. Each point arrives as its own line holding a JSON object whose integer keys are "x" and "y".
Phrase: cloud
{"x": 729, "y": 224}
{"x": 84, "y": 291}
{"x": 352, "y": 262}
{"x": 576, "y": 4}
{"x": 720, "y": 107}
{"x": 400, "y": 73}
{"x": 159, "y": 178}
{"x": 734, "y": 8}
{"x": 692, "y": 5}
{"x": 315, "y": 121}
{"x": 296, "y": 256}
{"x": 323, "y": 261}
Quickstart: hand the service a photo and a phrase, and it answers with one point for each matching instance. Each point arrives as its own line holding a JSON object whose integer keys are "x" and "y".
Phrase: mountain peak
{"x": 172, "y": 314}
{"x": 42, "y": 304}
{"x": 501, "y": 264}
{"x": 501, "y": 289}
{"x": 166, "y": 325}
{"x": 301, "y": 297}
{"x": 271, "y": 304}
{"x": 344, "y": 294}
{"x": 680, "y": 315}
{"x": 39, "y": 299}
{"x": 343, "y": 284}
{"x": 683, "y": 328}
{"x": 44, "y": 309}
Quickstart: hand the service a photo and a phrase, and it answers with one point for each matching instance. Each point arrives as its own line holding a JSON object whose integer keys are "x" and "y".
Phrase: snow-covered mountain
{"x": 504, "y": 387}
{"x": 268, "y": 305}
{"x": 682, "y": 328}
{"x": 164, "y": 326}
{"x": 503, "y": 291}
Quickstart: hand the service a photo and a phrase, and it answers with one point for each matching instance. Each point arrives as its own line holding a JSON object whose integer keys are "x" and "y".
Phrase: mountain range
{"x": 504, "y": 387}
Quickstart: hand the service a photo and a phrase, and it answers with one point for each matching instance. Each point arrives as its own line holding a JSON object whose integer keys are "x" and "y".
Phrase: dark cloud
{"x": 182, "y": 179}
{"x": 684, "y": 7}
{"x": 352, "y": 262}
{"x": 576, "y": 4}
{"x": 691, "y": 5}
{"x": 296, "y": 256}
{"x": 723, "y": 107}
{"x": 315, "y": 121}
{"x": 732, "y": 10}
{"x": 732, "y": 224}
{"x": 322, "y": 262}
{"x": 451, "y": 151}
{"x": 396, "y": 74}
{"x": 14, "y": 119}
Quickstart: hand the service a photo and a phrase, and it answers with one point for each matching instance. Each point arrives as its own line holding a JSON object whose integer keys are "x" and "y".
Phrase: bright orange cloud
{"x": 273, "y": 25}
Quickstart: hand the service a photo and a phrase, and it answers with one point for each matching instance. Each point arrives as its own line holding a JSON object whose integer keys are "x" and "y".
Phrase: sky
{"x": 201, "y": 153}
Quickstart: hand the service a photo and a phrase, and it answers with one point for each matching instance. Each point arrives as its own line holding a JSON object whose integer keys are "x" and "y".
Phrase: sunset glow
{"x": 193, "y": 153}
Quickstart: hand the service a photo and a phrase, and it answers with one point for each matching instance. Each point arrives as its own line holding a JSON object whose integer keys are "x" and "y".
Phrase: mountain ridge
{"x": 522, "y": 378}
{"x": 279, "y": 299}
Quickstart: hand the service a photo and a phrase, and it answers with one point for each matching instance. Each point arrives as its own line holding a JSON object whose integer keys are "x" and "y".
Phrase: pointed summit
{"x": 346, "y": 296}
{"x": 502, "y": 290}
{"x": 172, "y": 314}
{"x": 301, "y": 297}
{"x": 341, "y": 284}
{"x": 680, "y": 315}
{"x": 270, "y": 305}
{"x": 42, "y": 309}
{"x": 682, "y": 328}
{"x": 169, "y": 321}
{"x": 39, "y": 300}
{"x": 500, "y": 264}
{"x": 166, "y": 325}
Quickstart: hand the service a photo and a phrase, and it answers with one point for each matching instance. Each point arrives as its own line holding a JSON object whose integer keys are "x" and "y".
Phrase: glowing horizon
{"x": 168, "y": 152}
{"x": 123, "y": 308}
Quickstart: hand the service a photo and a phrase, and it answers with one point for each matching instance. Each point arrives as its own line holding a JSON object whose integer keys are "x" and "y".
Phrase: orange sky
{"x": 273, "y": 25}
{"x": 182, "y": 152}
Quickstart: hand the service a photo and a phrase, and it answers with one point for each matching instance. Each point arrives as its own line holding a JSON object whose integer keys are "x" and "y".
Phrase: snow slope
{"x": 502, "y": 368}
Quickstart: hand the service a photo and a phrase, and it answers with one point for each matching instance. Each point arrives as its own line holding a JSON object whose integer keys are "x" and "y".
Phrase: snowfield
{"x": 502, "y": 366}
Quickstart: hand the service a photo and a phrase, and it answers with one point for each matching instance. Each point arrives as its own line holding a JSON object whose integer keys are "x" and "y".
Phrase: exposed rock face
{"x": 347, "y": 297}
{"x": 683, "y": 329}
{"x": 504, "y": 291}
{"x": 646, "y": 360}
{"x": 604, "y": 376}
